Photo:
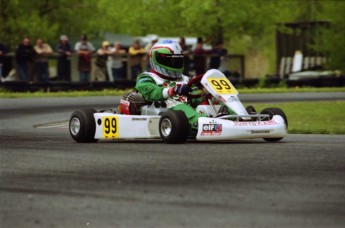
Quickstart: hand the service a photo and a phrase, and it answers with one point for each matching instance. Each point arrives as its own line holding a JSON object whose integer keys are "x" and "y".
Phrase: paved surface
{"x": 48, "y": 180}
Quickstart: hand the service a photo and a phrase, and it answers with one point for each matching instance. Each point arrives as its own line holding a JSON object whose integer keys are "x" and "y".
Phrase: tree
{"x": 244, "y": 26}
{"x": 331, "y": 40}
{"x": 43, "y": 18}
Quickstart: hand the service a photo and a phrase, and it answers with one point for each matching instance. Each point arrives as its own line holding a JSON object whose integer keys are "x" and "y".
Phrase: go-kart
{"x": 138, "y": 119}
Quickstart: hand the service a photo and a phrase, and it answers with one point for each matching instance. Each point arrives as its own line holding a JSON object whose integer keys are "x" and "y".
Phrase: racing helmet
{"x": 166, "y": 59}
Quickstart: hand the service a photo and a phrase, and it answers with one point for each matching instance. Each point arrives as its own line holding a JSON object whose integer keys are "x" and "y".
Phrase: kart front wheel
{"x": 174, "y": 127}
{"x": 272, "y": 112}
{"x": 82, "y": 126}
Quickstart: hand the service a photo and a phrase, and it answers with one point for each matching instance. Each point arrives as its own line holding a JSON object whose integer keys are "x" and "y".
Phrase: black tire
{"x": 174, "y": 127}
{"x": 250, "y": 109}
{"x": 271, "y": 112}
{"x": 82, "y": 126}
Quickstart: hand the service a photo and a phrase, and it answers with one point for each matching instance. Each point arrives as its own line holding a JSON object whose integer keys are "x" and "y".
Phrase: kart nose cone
{"x": 74, "y": 126}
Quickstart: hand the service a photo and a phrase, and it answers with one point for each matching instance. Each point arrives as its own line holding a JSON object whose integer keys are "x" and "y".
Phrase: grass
{"x": 115, "y": 92}
{"x": 291, "y": 90}
{"x": 323, "y": 117}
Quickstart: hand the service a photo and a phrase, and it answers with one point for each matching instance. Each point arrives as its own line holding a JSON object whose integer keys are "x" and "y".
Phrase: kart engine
{"x": 131, "y": 103}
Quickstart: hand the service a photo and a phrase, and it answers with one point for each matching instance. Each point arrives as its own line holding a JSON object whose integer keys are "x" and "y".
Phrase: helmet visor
{"x": 173, "y": 61}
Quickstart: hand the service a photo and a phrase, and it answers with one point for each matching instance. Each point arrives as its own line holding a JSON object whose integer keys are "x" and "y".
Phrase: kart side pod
{"x": 215, "y": 129}
{"x": 171, "y": 126}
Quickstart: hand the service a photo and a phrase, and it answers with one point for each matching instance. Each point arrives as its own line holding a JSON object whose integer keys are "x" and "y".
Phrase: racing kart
{"x": 138, "y": 119}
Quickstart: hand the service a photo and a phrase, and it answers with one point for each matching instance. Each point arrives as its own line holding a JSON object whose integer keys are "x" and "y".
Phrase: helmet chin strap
{"x": 163, "y": 76}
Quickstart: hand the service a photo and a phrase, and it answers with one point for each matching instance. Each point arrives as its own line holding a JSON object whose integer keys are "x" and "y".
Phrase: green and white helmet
{"x": 166, "y": 59}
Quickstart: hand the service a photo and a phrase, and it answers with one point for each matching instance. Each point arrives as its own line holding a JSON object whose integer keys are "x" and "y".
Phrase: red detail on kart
{"x": 124, "y": 107}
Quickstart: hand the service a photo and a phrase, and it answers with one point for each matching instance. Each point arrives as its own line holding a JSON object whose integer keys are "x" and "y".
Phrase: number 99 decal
{"x": 110, "y": 127}
{"x": 222, "y": 85}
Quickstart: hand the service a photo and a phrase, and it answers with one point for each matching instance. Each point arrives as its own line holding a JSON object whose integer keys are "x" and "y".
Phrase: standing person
{"x": 147, "y": 48}
{"x": 199, "y": 57}
{"x": 24, "y": 55}
{"x": 185, "y": 52}
{"x": 41, "y": 62}
{"x": 103, "y": 53}
{"x": 64, "y": 50}
{"x": 136, "y": 56}
{"x": 84, "y": 49}
{"x": 3, "y": 51}
{"x": 116, "y": 61}
{"x": 217, "y": 52}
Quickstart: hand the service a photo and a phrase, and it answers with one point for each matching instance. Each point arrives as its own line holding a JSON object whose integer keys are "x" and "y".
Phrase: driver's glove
{"x": 183, "y": 89}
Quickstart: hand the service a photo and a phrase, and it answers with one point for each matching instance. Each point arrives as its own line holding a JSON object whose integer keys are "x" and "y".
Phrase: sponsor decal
{"x": 211, "y": 129}
{"x": 260, "y": 132}
{"x": 233, "y": 99}
{"x": 139, "y": 119}
{"x": 256, "y": 123}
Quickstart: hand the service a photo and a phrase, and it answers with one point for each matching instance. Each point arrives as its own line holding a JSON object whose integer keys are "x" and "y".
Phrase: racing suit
{"x": 154, "y": 88}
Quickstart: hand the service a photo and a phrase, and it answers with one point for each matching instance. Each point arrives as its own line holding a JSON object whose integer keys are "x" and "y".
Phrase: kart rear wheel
{"x": 82, "y": 126}
{"x": 174, "y": 127}
{"x": 272, "y": 112}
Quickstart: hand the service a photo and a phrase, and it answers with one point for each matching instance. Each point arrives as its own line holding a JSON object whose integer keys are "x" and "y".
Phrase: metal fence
{"x": 231, "y": 65}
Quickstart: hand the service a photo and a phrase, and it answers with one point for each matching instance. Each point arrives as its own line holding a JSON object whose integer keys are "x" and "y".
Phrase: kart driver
{"x": 165, "y": 81}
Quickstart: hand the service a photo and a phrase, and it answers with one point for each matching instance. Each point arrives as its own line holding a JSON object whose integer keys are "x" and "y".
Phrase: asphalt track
{"x": 48, "y": 180}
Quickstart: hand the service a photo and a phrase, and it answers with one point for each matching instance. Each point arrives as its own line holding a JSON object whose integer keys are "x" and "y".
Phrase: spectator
{"x": 103, "y": 53}
{"x": 148, "y": 47}
{"x": 199, "y": 57}
{"x": 3, "y": 51}
{"x": 64, "y": 50}
{"x": 217, "y": 52}
{"x": 136, "y": 56}
{"x": 24, "y": 56}
{"x": 41, "y": 63}
{"x": 185, "y": 52}
{"x": 84, "y": 49}
{"x": 116, "y": 61}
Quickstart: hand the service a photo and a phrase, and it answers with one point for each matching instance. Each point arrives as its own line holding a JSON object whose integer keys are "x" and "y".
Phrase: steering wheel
{"x": 193, "y": 81}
